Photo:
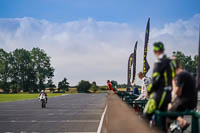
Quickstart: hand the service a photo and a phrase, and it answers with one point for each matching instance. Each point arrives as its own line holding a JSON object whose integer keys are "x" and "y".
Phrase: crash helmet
{"x": 158, "y": 47}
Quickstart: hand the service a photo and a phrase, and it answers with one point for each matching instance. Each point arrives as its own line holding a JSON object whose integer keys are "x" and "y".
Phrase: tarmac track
{"x": 76, "y": 113}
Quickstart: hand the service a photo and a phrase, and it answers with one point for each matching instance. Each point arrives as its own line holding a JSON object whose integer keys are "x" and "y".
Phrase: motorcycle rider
{"x": 159, "y": 90}
{"x": 43, "y": 92}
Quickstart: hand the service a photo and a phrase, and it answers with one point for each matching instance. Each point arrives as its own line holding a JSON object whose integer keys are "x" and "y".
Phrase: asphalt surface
{"x": 69, "y": 113}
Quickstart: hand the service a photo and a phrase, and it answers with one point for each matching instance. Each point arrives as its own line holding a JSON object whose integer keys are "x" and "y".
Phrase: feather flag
{"x": 134, "y": 63}
{"x": 146, "y": 66}
{"x": 130, "y": 62}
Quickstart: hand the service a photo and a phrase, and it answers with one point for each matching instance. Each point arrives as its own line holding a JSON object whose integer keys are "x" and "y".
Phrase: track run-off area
{"x": 77, "y": 113}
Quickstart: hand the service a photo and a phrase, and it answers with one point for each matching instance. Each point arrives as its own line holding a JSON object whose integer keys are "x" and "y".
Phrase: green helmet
{"x": 158, "y": 46}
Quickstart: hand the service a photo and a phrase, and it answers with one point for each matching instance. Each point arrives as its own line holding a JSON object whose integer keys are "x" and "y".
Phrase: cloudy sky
{"x": 92, "y": 39}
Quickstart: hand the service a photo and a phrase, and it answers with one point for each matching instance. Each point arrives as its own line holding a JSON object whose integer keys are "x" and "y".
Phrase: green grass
{"x": 27, "y": 96}
{"x": 23, "y": 96}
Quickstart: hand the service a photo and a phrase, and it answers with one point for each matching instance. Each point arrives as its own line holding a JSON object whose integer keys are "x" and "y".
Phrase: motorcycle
{"x": 43, "y": 100}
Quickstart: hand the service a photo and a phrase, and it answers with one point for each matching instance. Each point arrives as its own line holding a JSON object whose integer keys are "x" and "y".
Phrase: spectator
{"x": 145, "y": 83}
{"x": 184, "y": 94}
{"x": 109, "y": 86}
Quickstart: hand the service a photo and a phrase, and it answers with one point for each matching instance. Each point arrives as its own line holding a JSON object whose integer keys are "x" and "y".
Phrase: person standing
{"x": 109, "y": 86}
{"x": 159, "y": 90}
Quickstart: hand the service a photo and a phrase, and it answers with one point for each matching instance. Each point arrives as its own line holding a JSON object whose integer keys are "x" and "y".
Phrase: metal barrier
{"x": 140, "y": 104}
{"x": 123, "y": 94}
{"x": 129, "y": 98}
{"x": 160, "y": 116}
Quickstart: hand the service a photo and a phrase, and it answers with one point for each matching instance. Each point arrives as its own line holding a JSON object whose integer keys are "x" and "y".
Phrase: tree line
{"x": 188, "y": 63}
{"x": 23, "y": 70}
{"x": 31, "y": 71}
{"x": 87, "y": 87}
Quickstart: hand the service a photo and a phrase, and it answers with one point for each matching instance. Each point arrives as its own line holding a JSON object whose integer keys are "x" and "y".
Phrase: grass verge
{"x": 23, "y": 96}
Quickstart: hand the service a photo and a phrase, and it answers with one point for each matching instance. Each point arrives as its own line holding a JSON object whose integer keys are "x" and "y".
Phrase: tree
{"x": 51, "y": 85}
{"x": 21, "y": 69}
{"x": 187, "y": 62}
{"x": 83, "y": 86}
{"x": 94, "y": 87}
{"x": 24, "y": 70}
{"x": 63, "y": 85}
{"x": 4, "y": 70}
{"x": 42, "y": 67}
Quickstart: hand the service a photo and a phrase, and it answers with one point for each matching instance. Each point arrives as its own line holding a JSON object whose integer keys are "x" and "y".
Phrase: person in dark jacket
{"x": 184, "y": 94}
{"x": 159, "y": 90}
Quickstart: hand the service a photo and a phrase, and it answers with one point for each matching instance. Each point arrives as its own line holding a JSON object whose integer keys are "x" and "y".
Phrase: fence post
{"x": 195, "y": 122}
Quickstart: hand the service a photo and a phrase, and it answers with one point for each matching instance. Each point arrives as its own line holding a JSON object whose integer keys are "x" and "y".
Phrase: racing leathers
{"x": 159, "y": 90}
{"x": 46, "y": 97}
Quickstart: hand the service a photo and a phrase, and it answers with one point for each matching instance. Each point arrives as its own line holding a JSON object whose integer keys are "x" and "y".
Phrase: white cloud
{"x": 86, "y": 49}
{"x": 94, "y": 50}
{"x": 180, "y": 35}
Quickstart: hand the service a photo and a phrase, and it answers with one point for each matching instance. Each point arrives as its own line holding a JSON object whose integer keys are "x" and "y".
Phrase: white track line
{"x": 101, "y": 121}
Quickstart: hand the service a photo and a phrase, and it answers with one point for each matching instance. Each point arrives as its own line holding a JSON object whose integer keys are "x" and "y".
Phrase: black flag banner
{"x": 131, "y": 61}
{"x": 146, "y": 66}
{"x": 134, "y": 63}
{"x": 198, "y": 68}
